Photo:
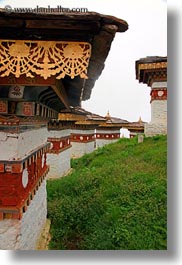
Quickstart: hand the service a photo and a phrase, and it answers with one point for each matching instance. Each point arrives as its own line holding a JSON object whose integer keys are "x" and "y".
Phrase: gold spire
{"x": 108, "y": 116}
{"x": 140, "y": 120}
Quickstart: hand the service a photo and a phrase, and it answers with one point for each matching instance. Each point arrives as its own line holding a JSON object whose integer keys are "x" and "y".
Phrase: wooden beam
{"x": 27, "y": 81}
{"x": 60, "y": 91}
{"x": 56, "y": 85}
{"x": 65, "y": 25}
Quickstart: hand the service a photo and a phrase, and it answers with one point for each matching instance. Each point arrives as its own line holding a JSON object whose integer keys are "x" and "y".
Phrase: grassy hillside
{"x": 115, "y": 199}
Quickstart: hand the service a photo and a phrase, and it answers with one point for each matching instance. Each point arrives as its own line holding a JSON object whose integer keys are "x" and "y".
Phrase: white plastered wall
{"x": 59, "y": 163}
{"x": 15, "y": 146}
{"x": 158, "y": 124}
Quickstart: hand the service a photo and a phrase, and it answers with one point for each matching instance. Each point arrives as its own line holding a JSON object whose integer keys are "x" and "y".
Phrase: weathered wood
{"x": 55, "y": 24}
{"x": 61, "y": 93}
{"x": 70, "y": 18}
{"x": 11, "y": 22}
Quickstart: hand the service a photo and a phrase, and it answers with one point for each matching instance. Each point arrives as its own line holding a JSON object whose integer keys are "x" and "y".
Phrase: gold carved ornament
{"x": 151, "y": 66}
{"x": 44, "y": 58}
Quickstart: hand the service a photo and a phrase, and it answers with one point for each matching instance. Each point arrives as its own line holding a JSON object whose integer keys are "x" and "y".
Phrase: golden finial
{"x": 108, "y": 116}
{"x": 140, "y": 120}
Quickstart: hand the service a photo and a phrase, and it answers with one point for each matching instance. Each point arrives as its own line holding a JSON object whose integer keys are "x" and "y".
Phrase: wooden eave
{"x": 71, "y": 117}
{"x": 97, "y": 29}
{"x": 151, "y": 68}
{"x": 86, "y": 122}
{"x": 134, "y": 126}
{"x": 110, "y": 125}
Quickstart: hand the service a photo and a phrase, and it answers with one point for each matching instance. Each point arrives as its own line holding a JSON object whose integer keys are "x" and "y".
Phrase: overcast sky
{"x": 117, "y": 90}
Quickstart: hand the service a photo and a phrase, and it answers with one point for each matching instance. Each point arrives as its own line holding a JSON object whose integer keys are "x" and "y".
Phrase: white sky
{"x": 117, "y": 90}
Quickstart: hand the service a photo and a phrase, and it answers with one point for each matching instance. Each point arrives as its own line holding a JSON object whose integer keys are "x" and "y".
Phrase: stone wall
{"x": 59, "y": 156}
{"x": 159, "y": 111}
{"x": 161, "y": 84}
{"x": 158, "y": 124}
{"x": 59, "y": 164}
{"x": 58, "y": 133}
{"x": 102, "y": 142}
{"x": 18, "y": 145}
{"x": 152, "y": 129}
{"x": 104, "y": 137}
{"x": 79, "y": 149}
{"x": 23, "y": 234}
{"x": 82, "y": 132}
{"x": 82, "y": 142}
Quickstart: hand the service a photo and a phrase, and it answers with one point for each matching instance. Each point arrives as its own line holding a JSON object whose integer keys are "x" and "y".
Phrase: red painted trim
{"x": 16, "y": 195}
{"x": 107, "y": 136}
{"x": 59, "y": 145}
{"x": 82, "y": 138}
{"x": 16, "y": 166}
{"x": 158, "y": 94}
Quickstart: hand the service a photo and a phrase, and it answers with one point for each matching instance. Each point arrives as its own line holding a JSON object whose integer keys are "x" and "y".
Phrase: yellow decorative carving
{"x": 44, "y": 58}
{"x": 153, "y": 65}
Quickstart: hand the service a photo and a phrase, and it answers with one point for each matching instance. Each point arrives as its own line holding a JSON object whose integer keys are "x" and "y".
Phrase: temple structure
{"x": 58, "y": 155}
{"x": 135, "y": 128}
{"x": 153, "y": 72}
{"x": 109, "y": 131}
{"x": 48, "y": 64}
{"x": 82, "y": 130}
{"x": 90, "y": 131}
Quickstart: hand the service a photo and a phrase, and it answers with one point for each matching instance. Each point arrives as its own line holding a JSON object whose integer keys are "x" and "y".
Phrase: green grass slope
{"x": 115, "y": 199}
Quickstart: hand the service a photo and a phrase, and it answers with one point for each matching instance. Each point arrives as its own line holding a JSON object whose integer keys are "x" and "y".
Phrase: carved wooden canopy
{"x": 68, "y": 46}
{"x": 151, "y": 68}
{"x": 44, "y": 58}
